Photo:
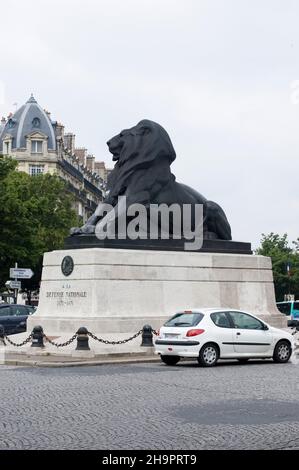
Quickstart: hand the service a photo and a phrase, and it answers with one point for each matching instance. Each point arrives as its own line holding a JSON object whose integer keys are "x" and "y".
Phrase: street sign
{"x": 13, "y": 284}
{"x": 21, "y": 273}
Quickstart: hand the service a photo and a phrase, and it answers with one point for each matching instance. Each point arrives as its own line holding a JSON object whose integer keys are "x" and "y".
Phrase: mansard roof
{"x": 28, "y": 118}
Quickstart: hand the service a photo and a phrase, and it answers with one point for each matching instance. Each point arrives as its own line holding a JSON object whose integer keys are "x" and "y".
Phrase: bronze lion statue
{"x": 143, "y": 155}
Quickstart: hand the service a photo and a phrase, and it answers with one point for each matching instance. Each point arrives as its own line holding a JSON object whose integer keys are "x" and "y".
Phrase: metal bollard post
{"x": 37, "y": 337}
{"x": 82, "y": 339}
{"x": 147, "y": 336}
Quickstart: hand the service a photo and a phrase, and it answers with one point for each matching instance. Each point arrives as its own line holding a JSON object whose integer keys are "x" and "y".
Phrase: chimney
{"x": 90, "y": 160}
{"x": 59, "y": 129}
{"x": 69, "y": 141}
{"x": 81, "y": 154}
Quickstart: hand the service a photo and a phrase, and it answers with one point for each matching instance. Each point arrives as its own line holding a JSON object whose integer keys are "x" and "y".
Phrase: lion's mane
{"x": 144, "y": 161}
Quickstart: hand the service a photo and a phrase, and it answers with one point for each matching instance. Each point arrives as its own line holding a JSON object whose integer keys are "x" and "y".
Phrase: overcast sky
{"x": 219, "y": 75}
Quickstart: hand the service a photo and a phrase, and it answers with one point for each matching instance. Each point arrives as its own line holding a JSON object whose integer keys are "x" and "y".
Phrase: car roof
{"x": 16, "y": 305}
{"x": 206, "y": 310}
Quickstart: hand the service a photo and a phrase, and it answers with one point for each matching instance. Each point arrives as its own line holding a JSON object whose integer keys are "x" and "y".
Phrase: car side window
{"x": 221, "y": 319}
{"x": 19, "y": 310}
{"x": 5, "y": 311}
{"x": 246, "y": 322}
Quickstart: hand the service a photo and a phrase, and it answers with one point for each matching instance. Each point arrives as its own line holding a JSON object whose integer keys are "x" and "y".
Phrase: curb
{"x": 96, "y": 362}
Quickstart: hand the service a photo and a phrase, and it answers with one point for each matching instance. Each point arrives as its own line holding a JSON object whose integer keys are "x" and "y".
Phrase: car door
{"x": 224, "y": 331}
{"x": 19, "y": 318}
{"x": 6, "y": 318}
{"x": 250, "y": 336}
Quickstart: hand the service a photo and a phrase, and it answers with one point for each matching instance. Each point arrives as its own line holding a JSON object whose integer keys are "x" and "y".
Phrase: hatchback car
{"x": 13, "y": 317}
{"x": 210, "y": 334}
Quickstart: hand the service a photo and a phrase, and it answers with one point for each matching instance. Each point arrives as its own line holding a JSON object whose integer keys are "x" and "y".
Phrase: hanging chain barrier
{"x": 18, "y": 345}
{"x": 61, "y": 345}
{"x": 37, "y": 338}
{"x": 105, "y": 341}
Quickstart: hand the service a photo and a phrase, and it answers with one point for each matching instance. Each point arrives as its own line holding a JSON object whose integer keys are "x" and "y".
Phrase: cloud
{"x": 217, "y": 75}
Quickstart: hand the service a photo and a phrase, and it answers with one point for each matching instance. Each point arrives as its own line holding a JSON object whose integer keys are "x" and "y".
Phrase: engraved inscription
{"x": 66, "y": 299}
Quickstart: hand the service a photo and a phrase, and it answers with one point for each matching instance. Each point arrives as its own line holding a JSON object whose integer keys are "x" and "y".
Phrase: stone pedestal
{"x": 117, "y": 291}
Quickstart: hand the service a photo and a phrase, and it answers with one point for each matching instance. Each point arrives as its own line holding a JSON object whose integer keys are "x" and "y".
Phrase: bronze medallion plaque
{"x": 67, "y": 265}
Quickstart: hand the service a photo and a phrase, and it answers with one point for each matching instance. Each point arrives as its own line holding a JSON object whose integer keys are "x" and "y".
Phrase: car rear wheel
{"x": 208, "y": 355}
{"x": 282, "y": 352}
{"x": 170, "y": 360}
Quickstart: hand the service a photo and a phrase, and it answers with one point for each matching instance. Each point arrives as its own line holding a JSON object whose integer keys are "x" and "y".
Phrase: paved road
{"x": 150, "y": 406}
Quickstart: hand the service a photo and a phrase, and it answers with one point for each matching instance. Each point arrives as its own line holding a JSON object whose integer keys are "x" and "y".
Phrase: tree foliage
{"x": 35, "y": 216}
{"x": 277, "y": 248}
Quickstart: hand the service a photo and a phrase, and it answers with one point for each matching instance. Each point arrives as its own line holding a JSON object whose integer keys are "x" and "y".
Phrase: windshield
{"x": 184, "y": 319}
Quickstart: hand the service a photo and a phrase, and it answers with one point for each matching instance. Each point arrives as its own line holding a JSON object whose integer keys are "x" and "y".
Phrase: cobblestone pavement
{"x": 151, "y": 406}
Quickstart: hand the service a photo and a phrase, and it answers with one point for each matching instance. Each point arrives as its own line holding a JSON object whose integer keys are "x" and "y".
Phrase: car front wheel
{"x": 208, "y": 355}
{"x": 170, "y": 360}
{"x": 282, "y": 352}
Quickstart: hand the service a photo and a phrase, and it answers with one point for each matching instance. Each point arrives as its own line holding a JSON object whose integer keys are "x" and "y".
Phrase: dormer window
{"x": 11, "y": 123}
{"x": 36, "y": 146}
{"x": 36, "y": 123}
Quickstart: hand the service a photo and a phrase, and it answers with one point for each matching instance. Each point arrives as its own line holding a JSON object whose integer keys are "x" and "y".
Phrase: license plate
{"x": 171, "y": 335}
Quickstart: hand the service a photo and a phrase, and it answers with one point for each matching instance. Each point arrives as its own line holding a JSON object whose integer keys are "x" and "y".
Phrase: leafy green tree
{"x": 35, "y": 216}
{"x": 277, "y": 248}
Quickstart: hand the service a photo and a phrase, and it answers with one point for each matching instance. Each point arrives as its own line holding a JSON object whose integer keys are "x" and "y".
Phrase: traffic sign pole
{"x": 16, "y": 290}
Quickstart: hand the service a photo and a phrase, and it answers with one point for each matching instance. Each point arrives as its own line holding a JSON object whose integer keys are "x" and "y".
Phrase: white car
{"x": 209, "y": 334}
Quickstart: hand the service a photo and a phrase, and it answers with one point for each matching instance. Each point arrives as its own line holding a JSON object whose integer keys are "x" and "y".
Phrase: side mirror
{"x": 265, "y": 327}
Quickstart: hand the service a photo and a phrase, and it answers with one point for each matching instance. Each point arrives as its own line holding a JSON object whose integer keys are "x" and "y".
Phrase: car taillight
{"x": 158, "y": 332}
{"x": 194, "y": 332}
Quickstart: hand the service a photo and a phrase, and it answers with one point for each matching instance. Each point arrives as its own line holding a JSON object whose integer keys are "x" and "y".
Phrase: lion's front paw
{"x": 88, "y": 229}
{"x": 75, "y": 231}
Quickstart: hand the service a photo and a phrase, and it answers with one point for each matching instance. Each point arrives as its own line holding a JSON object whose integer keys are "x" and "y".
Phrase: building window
{"x": 11, "y": 123}
{"x": 36, "y": 122}
{"x": 36, "y": 146}
{"x": 36, "y": 169}
{"x": 6, "y": 148}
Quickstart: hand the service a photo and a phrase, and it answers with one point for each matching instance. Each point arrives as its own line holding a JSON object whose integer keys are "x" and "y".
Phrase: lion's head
{"x": 142, "y": 143}
{"x": 135, "y": 149}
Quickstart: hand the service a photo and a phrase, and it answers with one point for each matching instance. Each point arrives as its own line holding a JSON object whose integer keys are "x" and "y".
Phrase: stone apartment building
{"x": 40, "y": 145}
